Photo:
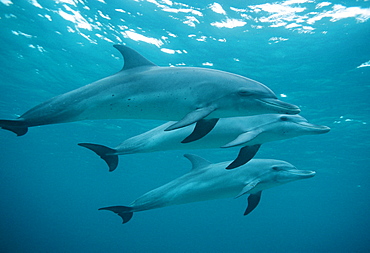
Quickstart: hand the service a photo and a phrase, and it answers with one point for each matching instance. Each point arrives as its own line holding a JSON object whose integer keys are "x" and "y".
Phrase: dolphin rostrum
{"x": 249, "y": 132}
{"x": 208, "y": 181}
{"x": 143, "y": 90}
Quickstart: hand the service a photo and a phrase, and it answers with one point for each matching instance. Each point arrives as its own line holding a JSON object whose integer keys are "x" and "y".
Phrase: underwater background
{"x": 315, "y": 54}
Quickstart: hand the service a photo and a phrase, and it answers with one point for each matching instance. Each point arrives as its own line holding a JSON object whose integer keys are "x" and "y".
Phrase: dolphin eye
{"x": 276, "y": 168}
{"x": 244, "y": 93}
{"x": 284, "y": 118}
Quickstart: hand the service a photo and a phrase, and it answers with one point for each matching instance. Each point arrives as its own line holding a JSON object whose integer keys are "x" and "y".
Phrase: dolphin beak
{"x": 303, "y": 173}
{"x": 315, "y": 129}
{"x": 280, "y": 106}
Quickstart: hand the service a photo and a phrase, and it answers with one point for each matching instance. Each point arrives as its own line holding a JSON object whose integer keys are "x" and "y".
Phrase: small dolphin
{"x": 143, "y": 90}
{"x": 249, "y": 132}
{"x": 208, "y": 181}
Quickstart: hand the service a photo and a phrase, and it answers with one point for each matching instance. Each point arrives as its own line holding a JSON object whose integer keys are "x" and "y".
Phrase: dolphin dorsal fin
{"x": 197, "y": 162}
{"x": 132, "y": 59}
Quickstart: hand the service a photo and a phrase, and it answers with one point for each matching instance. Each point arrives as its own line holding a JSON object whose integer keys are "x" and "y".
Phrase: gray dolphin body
{"x": 143, "y": 90}
{"x": 207, "y": 181}
{"x": 249, "y": 132}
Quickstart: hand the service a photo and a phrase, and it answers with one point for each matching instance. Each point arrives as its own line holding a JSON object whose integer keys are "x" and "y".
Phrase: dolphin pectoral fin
{"x": 104, "y": 153}
{"x": 192, "y": 117}
{"x": 245, "y": 155}
{"x": 253, "y": 201}
{"x": 16, "y": 126}
{"x": 124, "y": 212}
{"x": 242, "y": 139}
{"x": 247, "y": 188}
{"x": 202, "y": 128}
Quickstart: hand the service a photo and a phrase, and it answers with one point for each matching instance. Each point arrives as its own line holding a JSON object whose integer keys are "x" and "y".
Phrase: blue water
{"x": 310, "y": 53}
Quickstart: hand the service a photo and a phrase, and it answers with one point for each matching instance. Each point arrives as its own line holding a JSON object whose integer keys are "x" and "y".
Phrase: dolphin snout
{"x": 323, "y": 129}
{"x": 279, "y": 106}
{"x": 315, "y": 129}
{"x": 304, "y": 173}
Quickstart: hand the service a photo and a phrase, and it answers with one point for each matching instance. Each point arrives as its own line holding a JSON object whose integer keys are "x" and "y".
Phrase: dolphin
{"x": 207, "y": 181}
{"x": 250, "y": 132}
{"x": 143, "y": 90}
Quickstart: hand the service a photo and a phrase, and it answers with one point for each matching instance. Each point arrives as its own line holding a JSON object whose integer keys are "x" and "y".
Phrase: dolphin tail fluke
{"x": 124, "y": 212}
{"x": 253, "y": 201}
{"x": 16, "y": 126}
{"x": 245, "y": 155}
{"x": 105, "y": 153}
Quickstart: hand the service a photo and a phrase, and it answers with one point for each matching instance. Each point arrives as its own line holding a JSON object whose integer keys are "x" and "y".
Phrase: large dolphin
{"x": 208, "y": 181}
{"x": 249, "y": 132}
{"x": 143, "y": 90}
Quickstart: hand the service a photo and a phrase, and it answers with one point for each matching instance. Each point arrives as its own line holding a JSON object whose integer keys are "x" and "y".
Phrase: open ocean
{"x": 314, "y": 54}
